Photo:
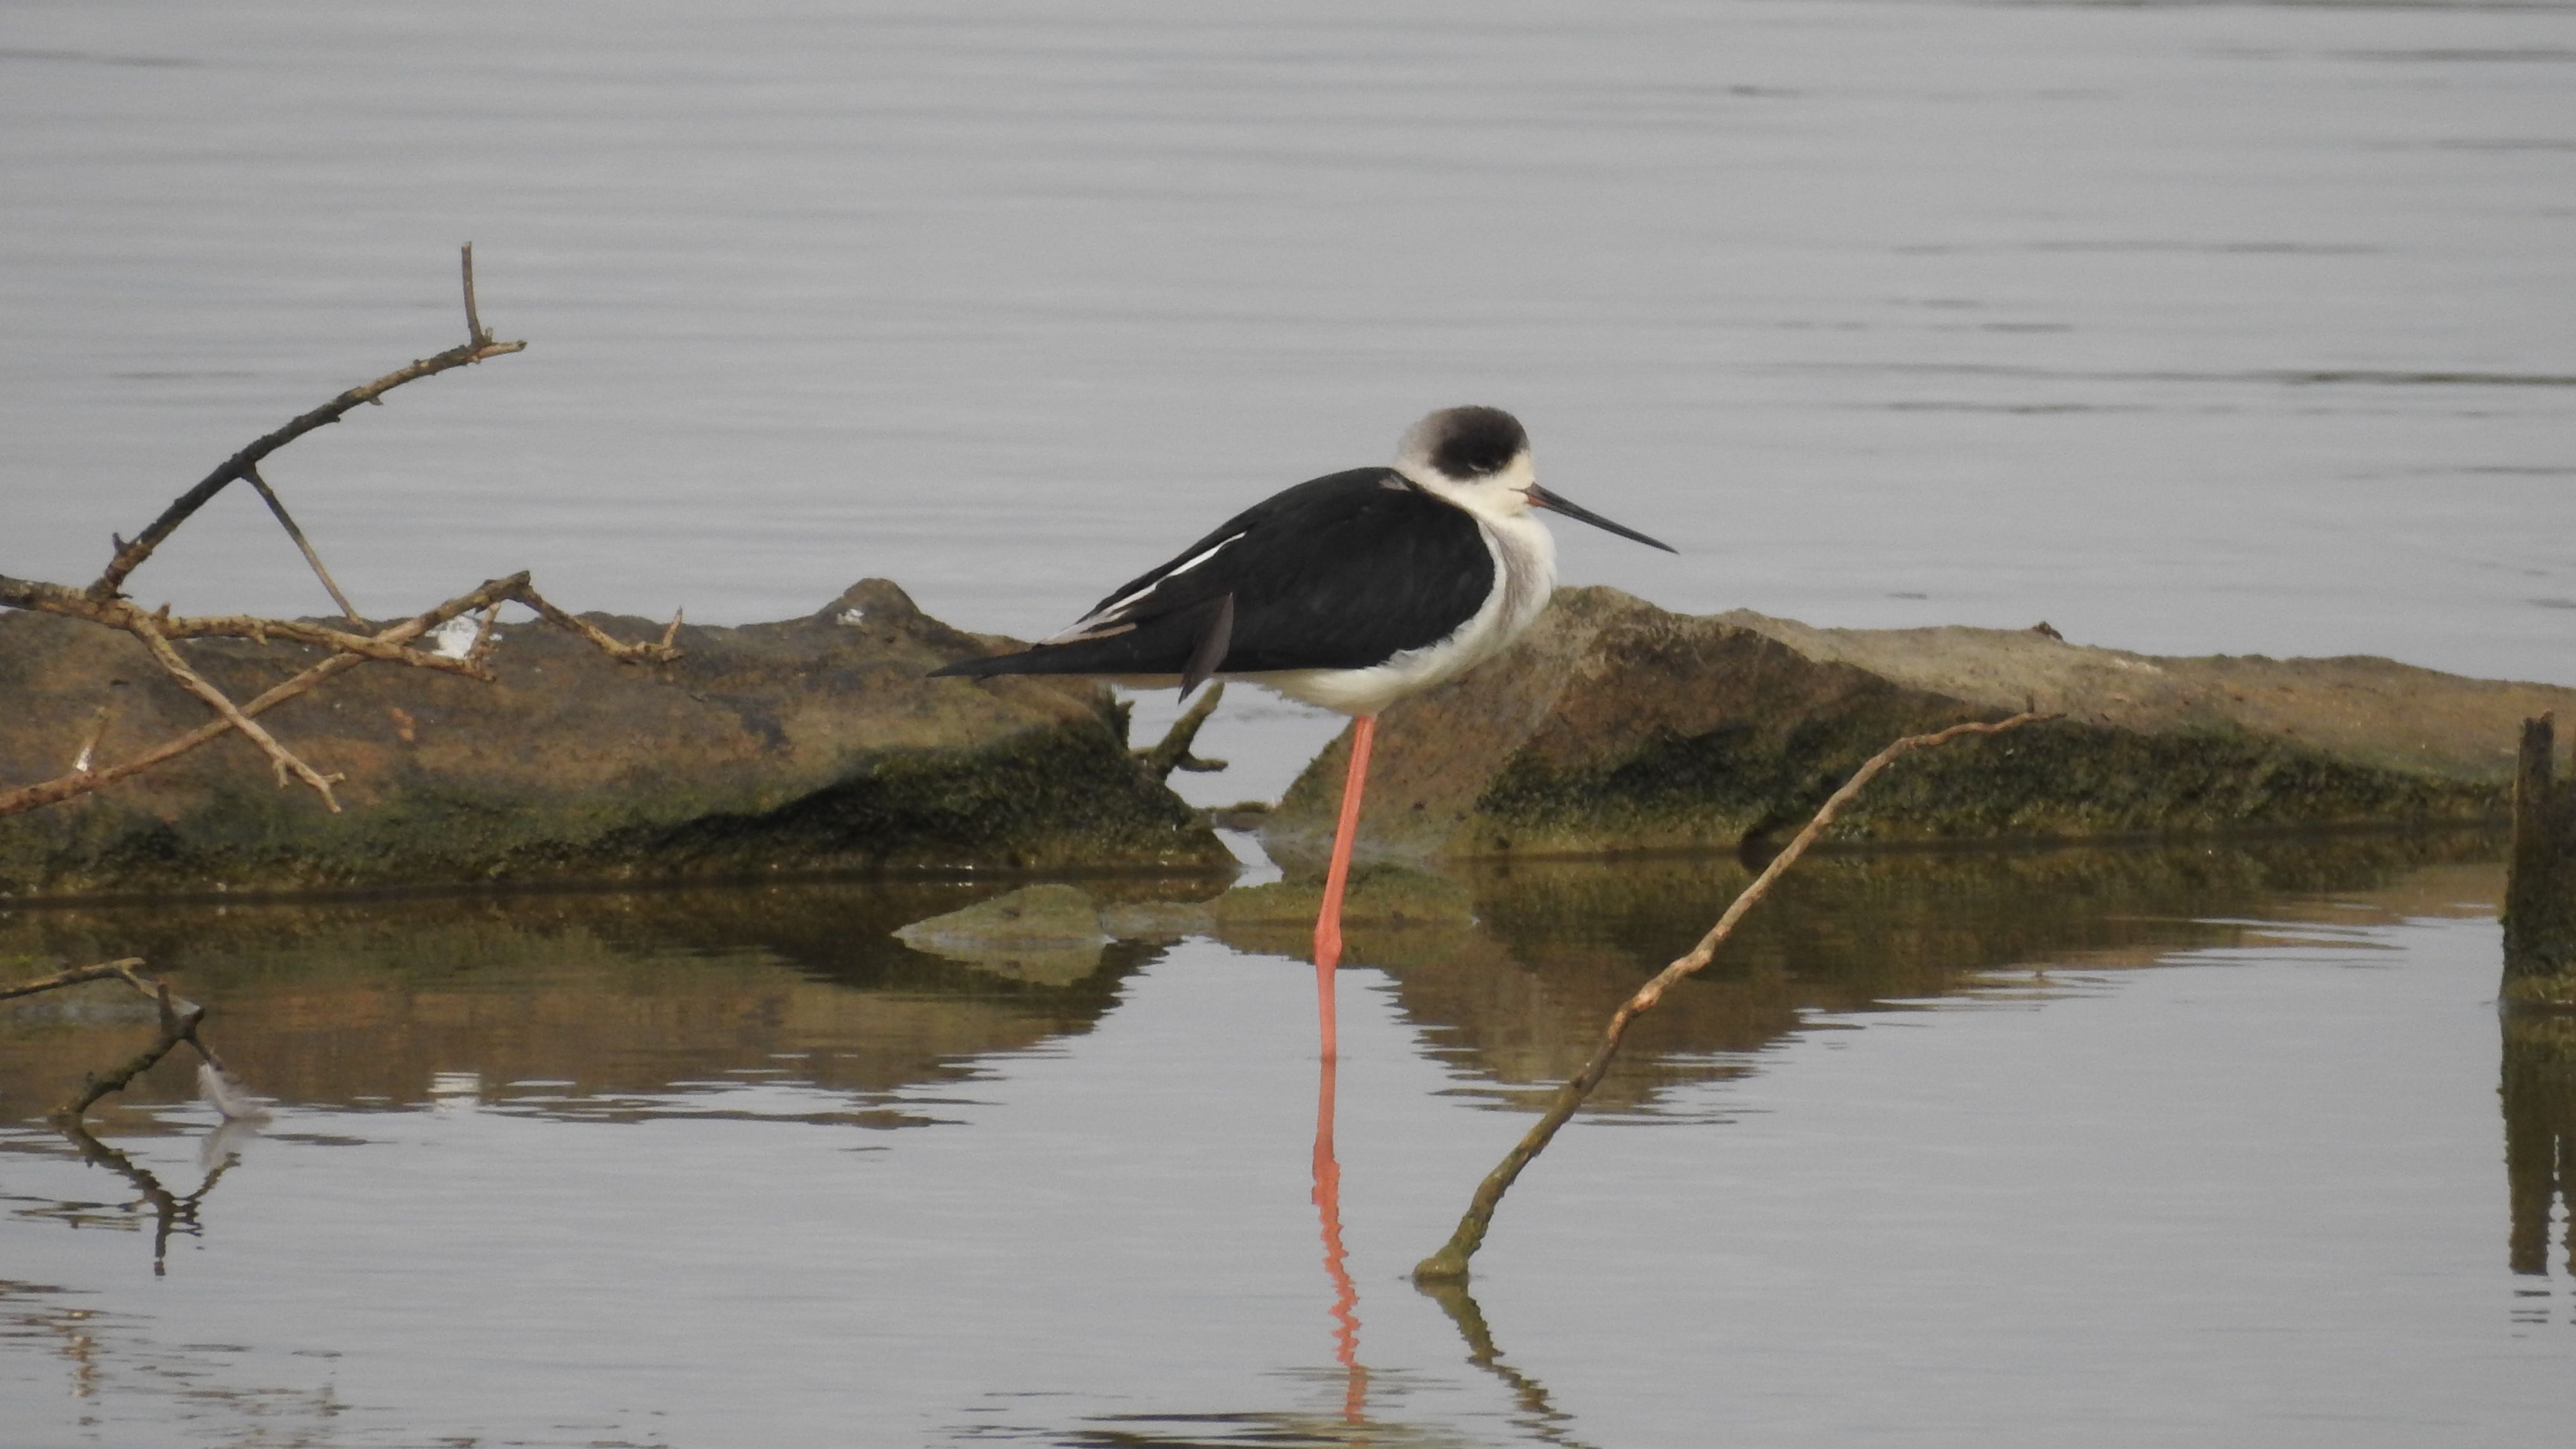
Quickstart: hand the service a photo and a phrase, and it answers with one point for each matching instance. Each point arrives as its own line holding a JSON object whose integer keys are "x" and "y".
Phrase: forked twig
{"x": 657, "y": 653}
{"x": 268, "y": 495}
{"x": 131, "y": 554}
{"x": 178, "y": 1019}
{"x": 475, "y": 336}
{"x": 102, "y": 602}
{"x": 230, "y": 713}
{"x": 1450, "y": 1263}
{"x": 82, "y": 781}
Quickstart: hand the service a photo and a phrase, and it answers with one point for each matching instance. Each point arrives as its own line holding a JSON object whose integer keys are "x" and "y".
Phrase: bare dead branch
{"x": 178, "y": 1024}
{"x": 268, "y": 495}
{"x": 103, "y": 603}
{"x": 81, "y": 782}
{"x": 474, "y": 333}
{"x": 131, "y": 554}
{"x": 103, "y": 971}
{"x": 197, "y": 684}
{"x": 44, "y": 598}
{"x": 1450, "y": 1263}
{"x": 1173, "y": 752}
{"x": 656, "y": 653}
{"x": 484, "y": 641}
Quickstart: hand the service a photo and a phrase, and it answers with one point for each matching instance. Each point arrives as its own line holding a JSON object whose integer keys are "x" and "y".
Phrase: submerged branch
{"x": 1450, "y": 1263}
{"x": 73, "y": 977}
{"x": 178, "y": 1019}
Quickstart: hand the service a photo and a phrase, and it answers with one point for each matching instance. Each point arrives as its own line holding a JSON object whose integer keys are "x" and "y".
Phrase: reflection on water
{"x": 171, "y": 1212}
{"x": 630, "y": 1006}
{"x": 2539, "y": 1093}
{"x": 607, "y": 1076}
{"x": 1516, "y": 1005}
{"x": 609, "y": 1006}
{"x": 1328, "y": 1211}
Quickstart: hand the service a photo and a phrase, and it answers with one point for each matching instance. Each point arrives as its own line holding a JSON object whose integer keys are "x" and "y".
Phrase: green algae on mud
{"x": 1615, "y": 726}
{"x": 2062, "y": 779}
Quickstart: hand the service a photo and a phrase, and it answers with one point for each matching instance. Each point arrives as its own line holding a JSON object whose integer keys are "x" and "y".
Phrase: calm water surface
{"x": 2186, "y": 328}
{"x": 2068, "y": 1147}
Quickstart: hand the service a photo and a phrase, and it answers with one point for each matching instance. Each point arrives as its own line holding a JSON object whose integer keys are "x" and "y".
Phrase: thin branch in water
{"x": 178, "y": 1024}
{"x": 268, "y": 495}
{"x": 105, "y": 970}
{"x": 1450, "y": 1263}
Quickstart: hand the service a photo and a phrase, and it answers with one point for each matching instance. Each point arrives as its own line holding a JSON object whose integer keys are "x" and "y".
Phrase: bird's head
{"x": 1479, "y": 458}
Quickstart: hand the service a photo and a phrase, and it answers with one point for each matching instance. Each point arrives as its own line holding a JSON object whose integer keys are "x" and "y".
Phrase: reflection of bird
{"x": 1350, "y": 592}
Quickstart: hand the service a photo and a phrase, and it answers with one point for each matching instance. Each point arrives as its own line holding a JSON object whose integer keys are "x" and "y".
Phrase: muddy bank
{"x": 1617, "y": 726}
{"x": 808, "y": 745}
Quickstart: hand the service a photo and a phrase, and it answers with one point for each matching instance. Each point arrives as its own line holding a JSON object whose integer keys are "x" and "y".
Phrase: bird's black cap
{"x": 1472, "y": 442}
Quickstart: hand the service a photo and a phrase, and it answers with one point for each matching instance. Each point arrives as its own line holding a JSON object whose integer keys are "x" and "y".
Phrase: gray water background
{"x": 2191, "y": 328}
{"x": 2185, "y": 328}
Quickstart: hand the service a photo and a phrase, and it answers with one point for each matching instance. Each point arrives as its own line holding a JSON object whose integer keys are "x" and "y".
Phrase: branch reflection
{"x": 1543, "y": 1419}
{"x": 172, "y": 1213}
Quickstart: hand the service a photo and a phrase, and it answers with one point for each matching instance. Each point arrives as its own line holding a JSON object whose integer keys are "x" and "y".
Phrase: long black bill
{"x": 1541, "y": 498}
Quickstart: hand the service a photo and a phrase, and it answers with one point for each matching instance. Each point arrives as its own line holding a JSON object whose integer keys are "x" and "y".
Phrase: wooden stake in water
{"x": 2540, "y": 885}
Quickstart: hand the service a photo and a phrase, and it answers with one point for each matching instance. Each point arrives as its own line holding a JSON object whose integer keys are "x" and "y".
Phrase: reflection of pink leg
{"x": 1346, "y": 1295}
{"x": 1328, "y": 922}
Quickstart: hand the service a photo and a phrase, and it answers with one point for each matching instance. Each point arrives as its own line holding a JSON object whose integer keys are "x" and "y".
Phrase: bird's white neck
{"x": 1495, "y": 497}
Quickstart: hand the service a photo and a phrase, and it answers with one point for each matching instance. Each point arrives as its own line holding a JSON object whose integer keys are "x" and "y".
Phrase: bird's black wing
{"x": 1338, "y": 573}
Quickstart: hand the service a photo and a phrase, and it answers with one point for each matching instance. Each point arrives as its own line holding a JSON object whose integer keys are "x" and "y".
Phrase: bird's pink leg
{"x": 1328, "y": 922}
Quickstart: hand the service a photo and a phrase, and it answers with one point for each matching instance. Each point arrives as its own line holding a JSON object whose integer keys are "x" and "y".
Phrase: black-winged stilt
{"x": 1350, "y": 592}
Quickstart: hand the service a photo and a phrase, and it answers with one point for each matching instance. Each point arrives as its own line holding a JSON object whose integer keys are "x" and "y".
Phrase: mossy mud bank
{"x": 1616, "y": 726}
{"x": 808, "y": 745}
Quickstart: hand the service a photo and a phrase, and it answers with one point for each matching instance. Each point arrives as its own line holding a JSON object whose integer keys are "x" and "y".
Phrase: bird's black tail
{"x": 1190, "y": 643}
{"x": 1027, "y": 661}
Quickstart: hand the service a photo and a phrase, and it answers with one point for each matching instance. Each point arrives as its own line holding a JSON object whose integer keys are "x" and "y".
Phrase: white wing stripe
{"x": 1114, "y": 607}
{"x": 1211, "y": 552}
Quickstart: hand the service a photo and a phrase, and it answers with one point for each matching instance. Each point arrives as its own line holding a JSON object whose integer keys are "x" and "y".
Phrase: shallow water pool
{"x": 2108, "y": 1147}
